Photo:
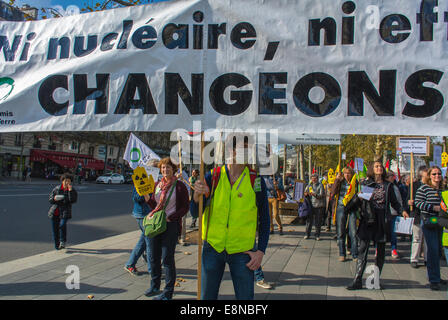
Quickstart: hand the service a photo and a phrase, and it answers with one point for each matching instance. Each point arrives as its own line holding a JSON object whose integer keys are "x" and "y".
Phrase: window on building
{"x": 91, "y": 151}
{"x": 74, "y": 145}
{"x": 36, "y": 143}
{"x": 111, "y": 151}
{"x": 19, "y": 139}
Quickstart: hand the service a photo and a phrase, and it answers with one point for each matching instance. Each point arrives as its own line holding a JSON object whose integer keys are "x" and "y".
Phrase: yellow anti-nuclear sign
{"x": 143, "y": 183}
{"x": 331, "y": 176}
{"x": 444, "y": 160}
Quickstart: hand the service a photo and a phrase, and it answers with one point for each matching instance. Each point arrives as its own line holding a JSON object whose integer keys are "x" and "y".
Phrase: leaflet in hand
{"x": 403, "y": 226}
{"x": 366, "y": 193}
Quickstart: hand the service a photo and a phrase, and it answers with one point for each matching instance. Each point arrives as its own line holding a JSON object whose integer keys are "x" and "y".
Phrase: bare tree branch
{"x": 123, "y": 3}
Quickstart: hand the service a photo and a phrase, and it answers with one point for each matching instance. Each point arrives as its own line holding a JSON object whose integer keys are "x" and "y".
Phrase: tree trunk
{"x": 285, "y": 153}
{"x": 310, "y": 162}
{"x": 118, "y": 158}
{"x": 302, "y": 165}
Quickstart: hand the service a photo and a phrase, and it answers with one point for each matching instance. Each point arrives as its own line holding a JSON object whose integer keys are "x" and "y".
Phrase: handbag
{"x": 304, "y": 208}
{"x": 156, "y": 224}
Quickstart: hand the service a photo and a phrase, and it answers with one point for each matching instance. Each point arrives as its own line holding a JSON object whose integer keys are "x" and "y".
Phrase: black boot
{"x": 360, "y": 267}
{"x": 357, "y": 281}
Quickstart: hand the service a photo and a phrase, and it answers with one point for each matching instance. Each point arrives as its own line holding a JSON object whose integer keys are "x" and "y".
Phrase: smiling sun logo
{"x": 6, "y": 87}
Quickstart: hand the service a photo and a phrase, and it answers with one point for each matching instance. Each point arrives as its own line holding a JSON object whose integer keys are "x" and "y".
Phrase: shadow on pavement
{"x": 41, "y": 288}
{"x": 96, "y": 251}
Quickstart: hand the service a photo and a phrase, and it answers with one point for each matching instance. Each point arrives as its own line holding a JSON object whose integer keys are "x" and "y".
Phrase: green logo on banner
{"x": 6, "y": 87}
{"x": 139, "y": 154}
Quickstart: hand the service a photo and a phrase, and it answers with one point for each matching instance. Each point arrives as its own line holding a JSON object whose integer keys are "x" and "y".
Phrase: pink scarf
{"x": 165, "y": 186}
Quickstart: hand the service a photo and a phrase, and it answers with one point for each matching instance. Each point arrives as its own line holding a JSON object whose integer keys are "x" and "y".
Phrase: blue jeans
{"x": 142, "y": 245}
{"x": 194, "y": 208}
{"x": 432, "y": 238}
{"x": 341, "y": 224}
{"x": 213, "y": 264}
{"x": 162, "y": 250}
{"x": 393, "y": 235}
{"x": 259, "y": 275}
{"x": 59, "y": 227}
{"x": 445, "y": 249}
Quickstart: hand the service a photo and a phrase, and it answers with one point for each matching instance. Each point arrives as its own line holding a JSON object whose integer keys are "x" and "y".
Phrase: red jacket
{"x": 182, "y": 203}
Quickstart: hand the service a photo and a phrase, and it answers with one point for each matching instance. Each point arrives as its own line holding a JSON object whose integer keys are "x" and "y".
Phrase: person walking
{"x": 375, "y": 219}
{"x": 28, "y": 174}
{"x": 139, "y": 211}
{"x": 62, "y": 197}
{"x": 418, "y": 244}
{"x": 428, "y": 199}
{"x": 173, "y": 196}
{"x": 344, "y": 218}
{"x": 315, "y": 190}
{"x": 194, "y": 209}
{"x": 237, "y": 205}
{"x": 390, "y": 177}
{"x": 275, "y": 194}
{"x": 274, "y": 211}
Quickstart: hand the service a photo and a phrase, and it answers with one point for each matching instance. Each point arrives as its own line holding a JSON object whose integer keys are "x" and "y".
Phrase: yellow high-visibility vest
{"x": 232, "y": 223}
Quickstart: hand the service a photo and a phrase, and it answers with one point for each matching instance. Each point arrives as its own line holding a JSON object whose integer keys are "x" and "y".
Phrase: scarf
{"x": 165, "y": 186}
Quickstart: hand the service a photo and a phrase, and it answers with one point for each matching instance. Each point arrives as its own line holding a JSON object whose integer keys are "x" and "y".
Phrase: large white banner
{"x": 308, "y": 66}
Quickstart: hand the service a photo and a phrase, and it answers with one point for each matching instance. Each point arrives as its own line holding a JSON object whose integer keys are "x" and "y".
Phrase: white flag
{"x": 137, "y": 153}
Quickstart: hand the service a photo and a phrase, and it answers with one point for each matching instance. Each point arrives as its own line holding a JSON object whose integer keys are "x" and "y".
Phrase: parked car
{"x": 110, "y": 178}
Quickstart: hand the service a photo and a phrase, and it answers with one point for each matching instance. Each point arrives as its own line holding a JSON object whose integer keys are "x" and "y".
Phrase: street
{"x": 25, "y": 229}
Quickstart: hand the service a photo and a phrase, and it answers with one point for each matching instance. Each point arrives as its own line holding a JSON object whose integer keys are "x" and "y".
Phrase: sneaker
{"x": 355, "y": 259}
{"x": 317, "y": 239}
{"x": 328, "y": 229}
{"x": 132, "y": 270}
{"x": 151, "y": 292}
{"x": 341, "y": 259}
{"x": 62, "y": 245}
{"x": 264, "y": 284}
{"x": 414, "y": 265}
{"x": 306, "y": 237}
{"x": 395, "y": 254}
{"x": 160, "y": 297}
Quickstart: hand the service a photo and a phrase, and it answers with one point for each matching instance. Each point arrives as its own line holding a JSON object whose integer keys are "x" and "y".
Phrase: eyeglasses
{"x": 436, "y": 174}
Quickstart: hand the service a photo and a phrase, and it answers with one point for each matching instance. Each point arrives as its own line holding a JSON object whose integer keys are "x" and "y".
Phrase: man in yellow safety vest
{"x": 236, "y": 206}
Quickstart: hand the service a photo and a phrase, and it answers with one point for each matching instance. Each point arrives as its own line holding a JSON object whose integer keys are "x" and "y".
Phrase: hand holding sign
{"x": 144, "y": 183}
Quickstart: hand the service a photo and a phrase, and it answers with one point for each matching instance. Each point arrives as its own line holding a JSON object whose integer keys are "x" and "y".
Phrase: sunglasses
{"x": 436, "y": 174}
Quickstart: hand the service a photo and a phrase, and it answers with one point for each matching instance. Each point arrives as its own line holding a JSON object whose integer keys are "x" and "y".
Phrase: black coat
{"x": 381, "y": 230}
{"x": 64, "y": 206}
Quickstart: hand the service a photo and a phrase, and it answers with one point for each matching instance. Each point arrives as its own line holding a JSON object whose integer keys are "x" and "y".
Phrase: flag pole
{"x": 412, "y": 181}
{"x": 184, "y": 218}
{"x": 201, "y": 208}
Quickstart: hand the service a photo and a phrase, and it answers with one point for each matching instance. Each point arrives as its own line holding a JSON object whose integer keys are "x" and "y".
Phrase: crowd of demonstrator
{"x": 239, "y": 204}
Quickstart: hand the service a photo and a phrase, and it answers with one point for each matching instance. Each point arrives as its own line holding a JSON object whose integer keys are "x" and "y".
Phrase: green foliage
{"x": 367, "y": 147}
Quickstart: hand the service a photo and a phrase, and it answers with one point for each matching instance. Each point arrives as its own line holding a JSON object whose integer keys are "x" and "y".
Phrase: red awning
{"x": 65, "y": 159}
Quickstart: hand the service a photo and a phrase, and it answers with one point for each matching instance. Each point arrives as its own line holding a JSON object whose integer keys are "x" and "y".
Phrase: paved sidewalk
{"x": 299, "y": 269}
